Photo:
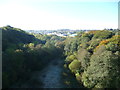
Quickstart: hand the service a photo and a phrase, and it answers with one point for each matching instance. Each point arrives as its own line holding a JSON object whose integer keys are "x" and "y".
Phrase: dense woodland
{"x": 92, "y": 57}
{"x": 23, "y": 53}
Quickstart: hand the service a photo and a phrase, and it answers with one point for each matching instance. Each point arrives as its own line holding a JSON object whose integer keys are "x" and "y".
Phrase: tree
{"x": 102, "y": 34}
{"x": 70, "y": 58}
{"x": 103, "y": 71}
{"x": 74, "y": 66}
{"x": 84, "y": 57}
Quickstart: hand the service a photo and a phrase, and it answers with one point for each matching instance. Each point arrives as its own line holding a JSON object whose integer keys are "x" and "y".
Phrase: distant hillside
{"x": 11, "y": 35}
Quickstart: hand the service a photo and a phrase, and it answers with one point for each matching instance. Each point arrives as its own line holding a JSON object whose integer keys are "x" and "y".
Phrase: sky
{"x": 59, "y": 14}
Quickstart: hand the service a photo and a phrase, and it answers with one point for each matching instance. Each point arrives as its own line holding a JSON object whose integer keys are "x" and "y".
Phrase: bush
{"x": 78, "y": 77}
{"x": 70, "y": 58}
{"x": 74, "y": 66}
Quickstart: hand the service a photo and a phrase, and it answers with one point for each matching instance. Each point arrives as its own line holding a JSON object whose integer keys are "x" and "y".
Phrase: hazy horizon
{"x": 60, "y": 14}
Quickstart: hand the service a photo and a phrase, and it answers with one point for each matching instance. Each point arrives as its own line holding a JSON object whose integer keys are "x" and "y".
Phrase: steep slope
{"x": 11, "y": 35}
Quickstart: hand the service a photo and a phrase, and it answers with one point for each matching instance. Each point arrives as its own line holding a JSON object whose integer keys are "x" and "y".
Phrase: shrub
{"x": 74, "y": 66}
{"x": 70, "y": 58}
{"x": 78, "y": 77}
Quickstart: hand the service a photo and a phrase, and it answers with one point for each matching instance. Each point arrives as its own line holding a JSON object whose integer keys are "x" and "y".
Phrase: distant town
{"x": 59, "y": 32}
